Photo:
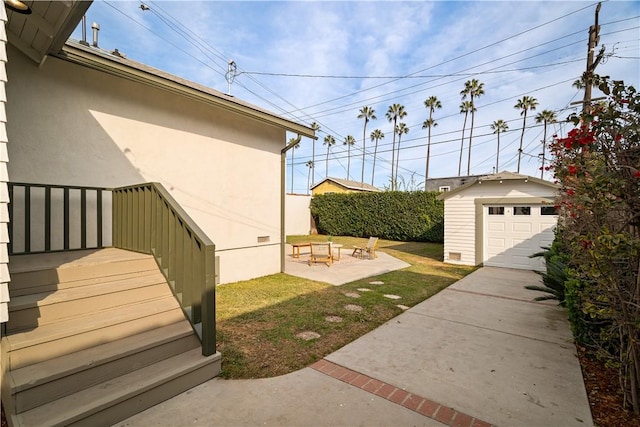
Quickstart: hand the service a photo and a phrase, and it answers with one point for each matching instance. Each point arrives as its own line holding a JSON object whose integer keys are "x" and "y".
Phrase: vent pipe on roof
{"x": 96, "y": 27}
{"x": 84, "y": 31}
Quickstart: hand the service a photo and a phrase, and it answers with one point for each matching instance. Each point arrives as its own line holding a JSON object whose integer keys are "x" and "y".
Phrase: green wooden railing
{"x": 145, "y": 218}
{"x": 55, "y": 218}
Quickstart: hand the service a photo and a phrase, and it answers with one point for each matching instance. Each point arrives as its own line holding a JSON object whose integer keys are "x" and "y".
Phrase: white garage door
{"x": 513, "y": 232}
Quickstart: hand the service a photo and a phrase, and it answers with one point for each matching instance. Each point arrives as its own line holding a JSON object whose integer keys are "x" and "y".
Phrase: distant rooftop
{"x": 351, "y": 185}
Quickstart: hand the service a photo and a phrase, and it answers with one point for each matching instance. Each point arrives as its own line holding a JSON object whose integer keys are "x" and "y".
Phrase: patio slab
{"x": 347, "y": 269}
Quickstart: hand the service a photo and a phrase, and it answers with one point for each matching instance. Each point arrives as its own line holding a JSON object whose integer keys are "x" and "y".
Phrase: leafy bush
{"x": 598, "y": 167}
{"x": 554, "y": 278}
{"x": 394, "y": 215}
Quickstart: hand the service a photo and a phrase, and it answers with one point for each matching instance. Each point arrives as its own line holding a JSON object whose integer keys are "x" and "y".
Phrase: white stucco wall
{"x": 460, "y": 213}
{"x": 297, "y": 214}
{"x": 76, "y": 126}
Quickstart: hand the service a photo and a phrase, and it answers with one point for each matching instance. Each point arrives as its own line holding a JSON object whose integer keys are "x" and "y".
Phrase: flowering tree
{"x": 598, "y": 167}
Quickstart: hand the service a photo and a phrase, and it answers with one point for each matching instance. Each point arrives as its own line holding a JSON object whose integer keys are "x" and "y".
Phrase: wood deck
{"x": 94, "y": 337}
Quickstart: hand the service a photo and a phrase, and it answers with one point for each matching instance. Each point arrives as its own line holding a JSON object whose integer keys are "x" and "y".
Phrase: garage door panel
{"x": 522, "y": 227}
{"x": 497, "y": 226}
{"x": 510, "y": 239}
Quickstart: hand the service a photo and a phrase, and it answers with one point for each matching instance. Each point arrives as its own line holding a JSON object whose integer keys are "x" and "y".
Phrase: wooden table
{"x": 336, "y": 246}
{"x": 297, "y": 246}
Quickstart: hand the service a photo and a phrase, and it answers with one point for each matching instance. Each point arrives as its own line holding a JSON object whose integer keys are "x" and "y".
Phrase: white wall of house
{"x": 297, "y": 214}
{"x": 4, "y": 194}
{"x": 460, "y": 222}
{"x": 76, "y": 126}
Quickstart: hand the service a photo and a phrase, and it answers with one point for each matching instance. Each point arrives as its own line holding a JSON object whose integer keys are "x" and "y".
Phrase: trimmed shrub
{"x": 393, "y": 215}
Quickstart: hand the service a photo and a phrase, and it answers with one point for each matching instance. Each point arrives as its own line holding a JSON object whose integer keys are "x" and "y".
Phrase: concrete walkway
{"x": 478, "y": 353}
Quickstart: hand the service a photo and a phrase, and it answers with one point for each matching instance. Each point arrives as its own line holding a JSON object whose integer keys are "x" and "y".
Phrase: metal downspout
{"x": 283, "y": 165}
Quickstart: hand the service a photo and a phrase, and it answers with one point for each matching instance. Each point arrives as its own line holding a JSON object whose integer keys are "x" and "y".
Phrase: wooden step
{"x": 30, "y": 311}
{"x": 60, "y": 338}
{"x": 93, "y": 338}
{"x": 44, "y": 272}
{"x": 115, "y": 400}
{"x": 52, "y": 379}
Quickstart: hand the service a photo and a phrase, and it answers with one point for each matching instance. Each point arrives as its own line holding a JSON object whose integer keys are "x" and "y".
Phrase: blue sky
{"x": 322, "y": 61}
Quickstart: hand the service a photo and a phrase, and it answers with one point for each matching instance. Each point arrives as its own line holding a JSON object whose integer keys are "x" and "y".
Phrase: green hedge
{"x": 394, "y": 215}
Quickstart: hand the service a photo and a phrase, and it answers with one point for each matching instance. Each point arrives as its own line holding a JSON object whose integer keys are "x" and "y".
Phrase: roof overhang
{"x": 500, "y": 178}
{"x": 118, "y": 67}
{"x": 46, "y": 29}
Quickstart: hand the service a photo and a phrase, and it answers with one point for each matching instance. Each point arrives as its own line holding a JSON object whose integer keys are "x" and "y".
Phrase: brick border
{"x": 413, "y": 402}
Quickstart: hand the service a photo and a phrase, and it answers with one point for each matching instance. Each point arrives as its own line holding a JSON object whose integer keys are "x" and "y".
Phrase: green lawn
{"x": 257, "y": 320}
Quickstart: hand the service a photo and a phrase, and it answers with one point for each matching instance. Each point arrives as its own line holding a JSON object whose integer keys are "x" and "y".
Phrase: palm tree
{"x": 316, "y": 128}
{"x": 431, "y": 103}
{"x": 376, "y": 135}
{"x": 497, "y": 127}
{"x": 367, "y": 113}
{"x": 546, "y": 117}
{"x": 402, "y": 128}
{"x": 395, "y": 112}
{"x": 474, "y": 89}
{"x": 349, "y": 141}
{"x": 465, "y": 107}
{"x": 309, "y": 165}
{"x": 525, "y": 104}
{"x": 293, "y": 150}
{"x": 328, "y": 141}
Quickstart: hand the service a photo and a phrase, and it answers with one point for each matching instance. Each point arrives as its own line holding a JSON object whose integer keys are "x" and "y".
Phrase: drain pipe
{"x": 84, "y": 31}
{"x": 283, "y": 195}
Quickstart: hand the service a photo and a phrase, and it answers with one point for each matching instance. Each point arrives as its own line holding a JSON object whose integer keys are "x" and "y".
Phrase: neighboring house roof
{"x": 351, "y": 185}
{"x": 500, "y": 177}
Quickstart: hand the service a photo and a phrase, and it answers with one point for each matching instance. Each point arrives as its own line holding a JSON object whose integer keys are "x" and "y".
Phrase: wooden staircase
{"x": 94, "y": 337}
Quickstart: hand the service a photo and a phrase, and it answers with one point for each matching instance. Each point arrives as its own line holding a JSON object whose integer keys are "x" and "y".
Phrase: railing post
{"x": 209, "y": 302}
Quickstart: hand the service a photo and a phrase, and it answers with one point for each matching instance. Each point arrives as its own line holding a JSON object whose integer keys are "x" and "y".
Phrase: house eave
{"x": 109, "y": 66}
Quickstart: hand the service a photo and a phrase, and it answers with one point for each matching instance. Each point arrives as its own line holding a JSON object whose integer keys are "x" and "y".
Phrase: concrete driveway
{"x": 479, "y": 353}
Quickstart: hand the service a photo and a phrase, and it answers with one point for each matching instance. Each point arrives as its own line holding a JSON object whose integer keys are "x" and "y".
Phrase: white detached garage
{"x": 499, "y": 220}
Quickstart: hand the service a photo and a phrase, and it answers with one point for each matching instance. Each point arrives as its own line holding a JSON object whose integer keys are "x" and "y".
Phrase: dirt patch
{"x": 603, "y": 390}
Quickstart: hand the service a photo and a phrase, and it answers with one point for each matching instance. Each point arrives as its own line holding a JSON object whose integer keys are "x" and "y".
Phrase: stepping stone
{"x": 352, "y": 295}
{"x": 364, "y": 290}
{"x": 353, "y": 307}
{"x": 402, "y": 307}
{"x": 308, "y": 335}
{"x": 333, "y": 319}
{"x": 377, "y": 282}
{"x": 392, "y": 296}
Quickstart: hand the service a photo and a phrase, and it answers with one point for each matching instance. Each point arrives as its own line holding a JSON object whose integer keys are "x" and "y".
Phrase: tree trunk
{"x": 470, "y": 137}
{"x": 364, "y": 143}
{"x": 524, "y": 121}
{"x": 498, "y": 155}
{"x": 462, "y": 144}
{"x": 393, "y": 156}
{"x": 373, "y": 169}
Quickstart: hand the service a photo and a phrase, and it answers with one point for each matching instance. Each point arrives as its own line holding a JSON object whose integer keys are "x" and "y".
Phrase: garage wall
{"x": 460, "y": 216}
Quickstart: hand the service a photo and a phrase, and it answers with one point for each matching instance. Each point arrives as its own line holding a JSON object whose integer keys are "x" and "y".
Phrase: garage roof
{"x": 500, "y": 177}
